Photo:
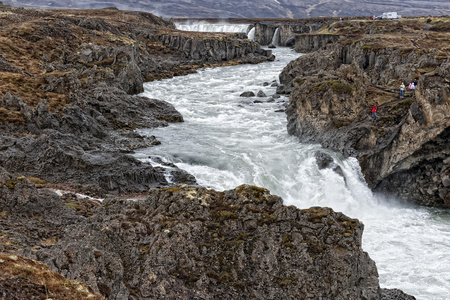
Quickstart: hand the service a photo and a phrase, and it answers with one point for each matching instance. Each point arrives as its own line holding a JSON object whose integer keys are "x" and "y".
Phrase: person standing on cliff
{"x": 415, "y": 83}
{"x": 402, "y": 90}
{"x": 374, "y": 112}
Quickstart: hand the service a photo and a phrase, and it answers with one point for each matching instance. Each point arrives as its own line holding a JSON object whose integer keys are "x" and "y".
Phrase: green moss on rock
{"x": 340, "y": 88}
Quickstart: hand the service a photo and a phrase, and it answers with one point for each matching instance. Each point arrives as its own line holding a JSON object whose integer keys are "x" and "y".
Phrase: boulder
{"x": 325, "y": 161}
{"x": 247, "y": 94}
{"x": 261, "y": 94}
{"x": 395, "y": 294}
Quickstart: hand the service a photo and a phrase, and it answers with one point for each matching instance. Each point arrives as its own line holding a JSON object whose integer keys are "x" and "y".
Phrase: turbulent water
{"x": 227, "y": 140}
{"x": 204, "y": 27}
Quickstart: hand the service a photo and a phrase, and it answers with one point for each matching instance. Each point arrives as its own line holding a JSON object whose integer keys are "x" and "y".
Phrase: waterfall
{"x": 251, "y": 34}
{"x": 227, "y": 140}
{"x": 276, "y": 37}
{"x": 205, "y": 27}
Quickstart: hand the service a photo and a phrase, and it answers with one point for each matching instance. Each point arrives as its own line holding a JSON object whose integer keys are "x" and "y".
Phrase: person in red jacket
{"x": 374, "y": 111}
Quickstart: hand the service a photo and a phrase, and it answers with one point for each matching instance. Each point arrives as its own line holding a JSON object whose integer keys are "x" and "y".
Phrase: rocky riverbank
{"x": 405, "y": 152}
{"x": 67, "y": 104}
{"x": 182, "y": 242}
{"x": 68, "y": 107}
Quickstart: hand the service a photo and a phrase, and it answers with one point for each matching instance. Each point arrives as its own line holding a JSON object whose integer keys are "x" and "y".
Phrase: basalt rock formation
{"x": 289, "y": 30}
{"x": 406, "y": 151}
{"x": 264, "y": 29}
{"x": 184, "y": 242}
{"x": 68, "y": 106}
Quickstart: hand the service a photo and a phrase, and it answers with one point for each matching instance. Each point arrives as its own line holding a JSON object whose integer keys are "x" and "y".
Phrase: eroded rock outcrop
{"x": 305, "y": 43}
{"x": 404, "y": 152}
{"x": 220, "y": 48}
{"x": 86, "y": 148}
{"x": 186, "y": 242}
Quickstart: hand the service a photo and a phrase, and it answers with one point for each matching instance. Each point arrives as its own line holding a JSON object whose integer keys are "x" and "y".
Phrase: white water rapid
{"x": 208, "y": 27}
{"x": 227, "y": 140}
{"x": 276, "y": 37}
{"x": 251, "y": 34}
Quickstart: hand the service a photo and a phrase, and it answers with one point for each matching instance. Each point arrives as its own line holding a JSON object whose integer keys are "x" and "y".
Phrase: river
{"x": 227, "y": 140}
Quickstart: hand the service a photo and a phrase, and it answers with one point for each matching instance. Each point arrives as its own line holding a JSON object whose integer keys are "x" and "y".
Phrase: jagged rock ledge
{"x": 188, "y": 242}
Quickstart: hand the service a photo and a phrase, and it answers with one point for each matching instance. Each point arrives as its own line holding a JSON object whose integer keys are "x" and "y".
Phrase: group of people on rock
{"x": 411, "y": 86}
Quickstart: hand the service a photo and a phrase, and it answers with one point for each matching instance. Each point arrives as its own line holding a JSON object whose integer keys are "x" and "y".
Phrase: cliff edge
{"x": 183, "y": 242}
{"x": 358, "y": 64}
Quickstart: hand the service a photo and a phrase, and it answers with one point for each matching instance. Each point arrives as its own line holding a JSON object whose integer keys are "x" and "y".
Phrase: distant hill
{"x": 254, "y": 9}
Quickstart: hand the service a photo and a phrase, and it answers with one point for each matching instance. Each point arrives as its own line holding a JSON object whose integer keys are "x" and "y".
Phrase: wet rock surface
{"x": 395, "y": 294}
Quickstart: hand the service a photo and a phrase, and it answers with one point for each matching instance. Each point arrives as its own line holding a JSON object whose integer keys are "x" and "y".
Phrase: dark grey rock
{"x": 323, "y": 160}
{"x": 88, "y": 146}
{"x": 261, "y": 94}
{"x": 189, "y": 241}
{"x": 395, "y": 294}
{"x": 247, "y": 94}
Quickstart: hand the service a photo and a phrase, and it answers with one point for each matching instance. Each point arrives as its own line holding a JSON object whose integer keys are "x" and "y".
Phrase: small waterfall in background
{"x": 276, "y": 37}
{"x": 205, "y": 27}
{"x": 251, "y": 34}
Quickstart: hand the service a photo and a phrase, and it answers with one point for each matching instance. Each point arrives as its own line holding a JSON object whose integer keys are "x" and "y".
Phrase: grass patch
{"x": 441, "y": 26}
{"x": 336, "y": 87}
{"x": 224, "y": 215}
{"x": 340, "y": 88}
{"x": 17, "y": 268}
{"x": 403, "y": 104}
{"x": 38, "y": 182}
{"x": 11, "y": 117}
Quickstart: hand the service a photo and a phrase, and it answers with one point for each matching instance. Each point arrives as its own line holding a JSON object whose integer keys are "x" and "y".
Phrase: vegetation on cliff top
{"x": 420, "y": 34}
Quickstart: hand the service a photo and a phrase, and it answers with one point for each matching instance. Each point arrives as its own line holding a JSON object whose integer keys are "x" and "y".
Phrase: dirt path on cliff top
{"x": 388, "y": 96}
